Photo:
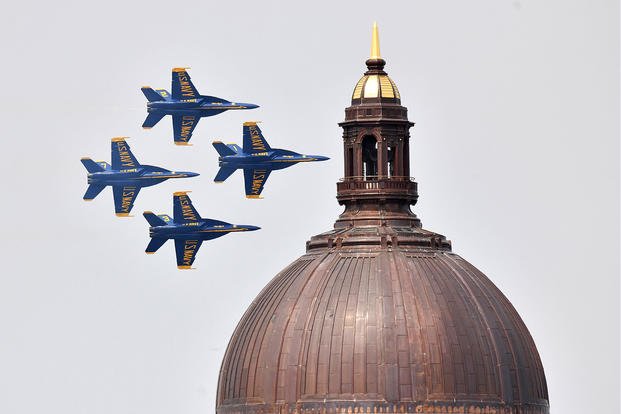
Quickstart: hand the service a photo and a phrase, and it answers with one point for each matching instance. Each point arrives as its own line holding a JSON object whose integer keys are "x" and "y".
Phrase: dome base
{"x": 365, "y": 406}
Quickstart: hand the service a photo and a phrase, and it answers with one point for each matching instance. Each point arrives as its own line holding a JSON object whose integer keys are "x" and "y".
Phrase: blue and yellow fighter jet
{"x": 187, "y": 228}
{"x": 126, "y": 176}
{"x": 185, "y": 105}
{"x": 256, "y": 158}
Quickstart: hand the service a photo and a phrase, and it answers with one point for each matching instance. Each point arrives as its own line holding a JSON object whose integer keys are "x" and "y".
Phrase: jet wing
{"x": 186, "y": 252}
{"x": 183, "y": 210}
{"x": 254, "y": 142}
{"x": 122, "y": 157}
{"x": 255, "y": 179}
{"x": 182, "y": 87}
{"x": 124, "y": 197}
{"x": 183, "y": 125}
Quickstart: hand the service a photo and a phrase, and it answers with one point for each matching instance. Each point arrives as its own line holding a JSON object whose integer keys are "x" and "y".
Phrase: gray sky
{"x": 515, "y": 149}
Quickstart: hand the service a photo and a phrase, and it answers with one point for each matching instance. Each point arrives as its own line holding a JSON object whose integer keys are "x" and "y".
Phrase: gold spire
{"x": 375, "y": 48}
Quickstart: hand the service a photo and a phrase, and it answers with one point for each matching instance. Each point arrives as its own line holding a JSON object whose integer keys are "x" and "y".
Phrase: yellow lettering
{"x": 127, "y": 198}
{"x": 187, "y": 123}
{"x": 186, "y": 87}
{"x": 124, "y": 155}
{"x": 258, "y": 177}
{"x": 189, "y": 249}
{"x": 186, "y": 208}
{"x": 255, "y": 138}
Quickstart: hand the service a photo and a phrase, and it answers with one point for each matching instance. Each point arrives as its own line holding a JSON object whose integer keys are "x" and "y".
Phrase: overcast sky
{"x": 515, "y": 148}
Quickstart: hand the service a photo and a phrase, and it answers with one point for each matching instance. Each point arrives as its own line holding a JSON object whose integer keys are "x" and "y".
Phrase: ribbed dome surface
{"x": 375, "y": 86}
{"x": 381, "y": 331}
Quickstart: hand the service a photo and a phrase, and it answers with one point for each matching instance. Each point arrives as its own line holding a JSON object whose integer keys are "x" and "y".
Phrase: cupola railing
{"x": 376, "y": 183}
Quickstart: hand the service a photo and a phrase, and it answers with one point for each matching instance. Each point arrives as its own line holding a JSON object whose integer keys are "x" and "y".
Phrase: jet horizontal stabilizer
{"x": 223, "y": 149}
{"x": 93, "y": 191}
{"x": 151, "y": 95}
{"x": 155, "y": 244}
{"x": 92, "y": 166}
{"x": 223, "y": 174}
{"x": 152, "y": 119}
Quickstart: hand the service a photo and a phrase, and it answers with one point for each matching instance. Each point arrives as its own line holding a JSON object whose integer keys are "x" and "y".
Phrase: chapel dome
{"x": 379, "y": 315}
{"x": 381, "y": 330}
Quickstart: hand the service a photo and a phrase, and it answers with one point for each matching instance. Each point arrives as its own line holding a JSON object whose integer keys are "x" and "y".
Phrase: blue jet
{"x": 187, "y": 228}
{"x": 126, "y": 176}
{"x": 185, "y": 105}
{"x": 256, "y": 158}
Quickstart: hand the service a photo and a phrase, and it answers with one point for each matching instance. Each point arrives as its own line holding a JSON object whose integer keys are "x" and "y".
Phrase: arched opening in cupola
{"x": 391, "y": 151}
{"x": 369, "y": 157}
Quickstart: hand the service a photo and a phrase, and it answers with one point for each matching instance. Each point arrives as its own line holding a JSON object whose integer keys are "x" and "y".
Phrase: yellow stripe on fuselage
{"x": 165, "y": 176}
{"x": 223, "y": 231}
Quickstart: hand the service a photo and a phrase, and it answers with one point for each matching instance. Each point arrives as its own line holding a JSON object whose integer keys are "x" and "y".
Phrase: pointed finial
{"x": 375, "y": 47}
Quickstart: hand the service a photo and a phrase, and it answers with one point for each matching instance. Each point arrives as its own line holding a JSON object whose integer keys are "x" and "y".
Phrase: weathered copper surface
{"x": 379, "y": 315}
{"x": 381, "y": 329}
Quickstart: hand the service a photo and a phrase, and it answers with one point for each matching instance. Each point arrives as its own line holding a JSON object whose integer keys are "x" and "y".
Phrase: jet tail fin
{"x": 91, "y": 166}
{"x": 105, "y": 165}
{"x": 151, "y": 95}
{"x": 155, "y": 244}
{"x": 165, "y": 217}
{"x": 154, "y": 221}
{"x": 223, "y": 149}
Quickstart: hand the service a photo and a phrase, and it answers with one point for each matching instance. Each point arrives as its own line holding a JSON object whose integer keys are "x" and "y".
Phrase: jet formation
{"x": 185, "y": 105}
{"x": 126, "y": 176}
{"x": 256, "y": 158}
{"x": 187, "y": 228}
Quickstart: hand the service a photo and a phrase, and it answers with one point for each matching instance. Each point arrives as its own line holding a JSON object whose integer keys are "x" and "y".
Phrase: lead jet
{"x": 185, "y": 105}
{"x": 256, "y": 158}
{"x": 126, "y": 176}
{"x": 187, "y": 228}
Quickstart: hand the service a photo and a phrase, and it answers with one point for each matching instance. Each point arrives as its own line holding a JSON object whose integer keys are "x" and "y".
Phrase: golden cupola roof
{"x": 375, "y": 85}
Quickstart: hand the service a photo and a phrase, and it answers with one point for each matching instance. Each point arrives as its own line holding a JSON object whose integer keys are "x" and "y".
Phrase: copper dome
{"x": 379, "y": 315}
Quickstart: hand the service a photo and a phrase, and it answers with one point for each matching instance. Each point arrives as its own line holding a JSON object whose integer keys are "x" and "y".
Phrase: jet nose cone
{"x": 321, "y": 158}
{"x": 250, "y": 106}
{"x": 252, "y": 228}
{"x": 191, "y": 174}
